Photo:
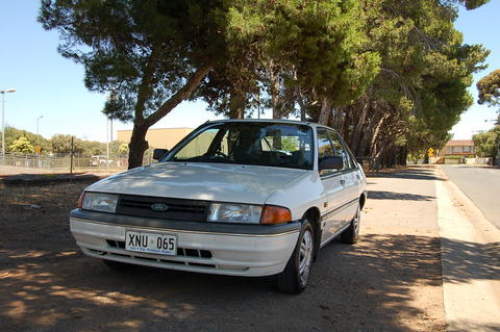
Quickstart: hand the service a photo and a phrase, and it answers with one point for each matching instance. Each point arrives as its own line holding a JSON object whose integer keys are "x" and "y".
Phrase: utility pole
{"x": 71, "y": 155}
{"x": 3, "y": 92}
{"x": 107, "y": 141}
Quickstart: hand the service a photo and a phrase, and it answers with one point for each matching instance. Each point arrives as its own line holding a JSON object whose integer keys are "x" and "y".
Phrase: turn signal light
{"x": 275, "y": 215}
{"x": 79, "y": 203}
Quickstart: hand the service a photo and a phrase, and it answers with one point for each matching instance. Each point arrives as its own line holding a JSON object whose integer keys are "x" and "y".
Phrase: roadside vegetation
{"x": 25, "y": 142}
{"x": 488, "y": 143}
{"x": 390, "y": 75}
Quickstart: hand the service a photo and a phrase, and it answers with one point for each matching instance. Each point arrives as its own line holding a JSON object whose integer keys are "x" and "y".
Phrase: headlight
{"x": 100, "y": 202}
{"x": 238, "y": 213}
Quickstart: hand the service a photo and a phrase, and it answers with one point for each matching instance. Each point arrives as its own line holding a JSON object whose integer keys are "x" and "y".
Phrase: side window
{"x": 325, "y": 149}
{"x": 339, "y": 149}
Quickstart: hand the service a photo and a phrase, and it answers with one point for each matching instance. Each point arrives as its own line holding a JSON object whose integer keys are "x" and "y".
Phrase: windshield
{"x": 266, "y": 144}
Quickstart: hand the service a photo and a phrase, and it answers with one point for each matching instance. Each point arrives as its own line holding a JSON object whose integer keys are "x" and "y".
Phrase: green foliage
{"x": 149, "y": 55}
{"x": 22, "y": 145}
{"x": 123, "y": 148}
{"x": 489, "y": 89}
{"x": 12, "y": 134}
{"x": 426, "y": 69}
{"x": 62, "y": 144}
{"x": 142, "y": 51}
{"x": 324, "y": 42}
{"x": 473, "y": 4}
{"x": 487, "y": 143}
{"x": 400, "y": 62}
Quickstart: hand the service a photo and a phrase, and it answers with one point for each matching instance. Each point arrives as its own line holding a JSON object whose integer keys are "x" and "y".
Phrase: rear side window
{"x": 325, "y": 150}
{"x": 340, "y": 149}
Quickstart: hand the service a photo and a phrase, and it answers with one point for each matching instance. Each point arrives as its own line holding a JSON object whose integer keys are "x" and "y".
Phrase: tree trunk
{"x": 356, "y": 135}
{"x": 325, "y": 111}
{"x": 300, "y": 101}
{"x": 402, "y": 156}
{"x": 377, "y": 129}
{"x": 237, "y": 104}
{"x": 274, "y": 90}
{"x": 137, "y": 146}
{"x": 347, "y": 124}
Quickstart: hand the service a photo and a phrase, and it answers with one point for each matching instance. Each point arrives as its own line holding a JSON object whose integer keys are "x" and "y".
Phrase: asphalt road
{"x": 481, "y": 185}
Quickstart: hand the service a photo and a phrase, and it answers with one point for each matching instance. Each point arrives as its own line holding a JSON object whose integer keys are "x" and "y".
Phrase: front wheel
{"x": 294, "y": 278}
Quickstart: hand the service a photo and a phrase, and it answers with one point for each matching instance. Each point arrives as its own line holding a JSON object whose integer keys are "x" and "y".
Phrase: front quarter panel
{"x": 300, "y": 195}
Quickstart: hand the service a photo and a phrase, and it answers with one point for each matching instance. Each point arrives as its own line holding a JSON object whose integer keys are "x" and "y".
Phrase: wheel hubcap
{"x": 305, "y": 256}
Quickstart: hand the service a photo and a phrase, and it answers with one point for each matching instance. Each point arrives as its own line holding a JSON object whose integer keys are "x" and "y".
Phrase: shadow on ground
{"x": 377, "y": 194}
{"x": 411, "y": 173}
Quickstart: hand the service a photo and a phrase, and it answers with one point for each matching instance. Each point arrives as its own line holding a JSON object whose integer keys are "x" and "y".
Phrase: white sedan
{"x": 235, "y": 197}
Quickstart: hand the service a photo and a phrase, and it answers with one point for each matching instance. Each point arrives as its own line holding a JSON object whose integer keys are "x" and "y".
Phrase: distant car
{"x": 100, "y": 161}
{"x": 235, "y": 197}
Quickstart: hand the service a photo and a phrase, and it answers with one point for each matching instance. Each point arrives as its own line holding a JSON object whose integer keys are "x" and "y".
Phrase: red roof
{"x": 460, "y": 142}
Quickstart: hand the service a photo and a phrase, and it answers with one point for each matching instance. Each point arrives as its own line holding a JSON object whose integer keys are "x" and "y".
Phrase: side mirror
{"x": 334, "y": 162}
{"x": 159, "y": 153}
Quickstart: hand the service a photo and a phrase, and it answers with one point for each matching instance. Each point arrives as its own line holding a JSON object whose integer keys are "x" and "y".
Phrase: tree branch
{"x": 184, "y": 93}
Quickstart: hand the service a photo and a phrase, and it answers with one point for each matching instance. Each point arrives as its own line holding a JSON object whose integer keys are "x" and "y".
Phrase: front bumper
{"x": 242, "y": 250}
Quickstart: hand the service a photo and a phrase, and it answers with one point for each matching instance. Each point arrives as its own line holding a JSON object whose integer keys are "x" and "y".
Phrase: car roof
{"x": 283, "y": 121}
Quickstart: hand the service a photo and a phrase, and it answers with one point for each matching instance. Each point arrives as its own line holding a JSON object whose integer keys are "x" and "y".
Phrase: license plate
{"x": 151, "y": 243}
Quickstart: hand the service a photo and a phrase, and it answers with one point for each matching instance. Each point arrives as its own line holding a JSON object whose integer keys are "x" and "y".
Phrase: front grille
{"x": 177, "y": 209}
{"x": 198, "y": 253}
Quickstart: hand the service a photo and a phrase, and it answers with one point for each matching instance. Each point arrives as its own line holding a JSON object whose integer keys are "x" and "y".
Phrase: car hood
{"x": 202, "y": 181}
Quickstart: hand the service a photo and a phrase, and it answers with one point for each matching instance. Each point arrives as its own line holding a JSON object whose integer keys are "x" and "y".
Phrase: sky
{"x": 50, "y": 88}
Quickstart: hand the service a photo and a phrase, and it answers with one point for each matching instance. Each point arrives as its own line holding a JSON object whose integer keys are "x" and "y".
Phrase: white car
{"x": 235, "y": 197}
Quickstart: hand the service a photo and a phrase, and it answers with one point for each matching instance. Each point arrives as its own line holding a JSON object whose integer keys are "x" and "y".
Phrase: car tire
{"x": 294, "y": 279}
{"x": 351, "y": 234}
{"x": 117, "y": 266}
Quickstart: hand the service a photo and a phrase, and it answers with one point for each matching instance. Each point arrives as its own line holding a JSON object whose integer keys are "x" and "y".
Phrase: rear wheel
{"x": 295, "y": 277}
{"x": 351, "y": 234}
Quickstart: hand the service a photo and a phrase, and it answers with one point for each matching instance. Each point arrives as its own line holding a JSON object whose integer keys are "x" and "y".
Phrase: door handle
{"x": 342, "y": 181}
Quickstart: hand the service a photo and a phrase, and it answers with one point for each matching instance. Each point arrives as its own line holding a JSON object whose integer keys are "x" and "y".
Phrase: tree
{"x": 22, "y": 145}
{"x": 487, "y": 143}
{"x": 62, "y": 144}
{"x": 421, "y": 88}
{"x": 90, "y": 148}
{"x": 472, "y": 4}
{"x": 489, "y": 89}
{"x": 280, "y": 49}
{"x": 123, "y": 149}
{"x": 150, "y": 54}
{"x": 12, "y": 134}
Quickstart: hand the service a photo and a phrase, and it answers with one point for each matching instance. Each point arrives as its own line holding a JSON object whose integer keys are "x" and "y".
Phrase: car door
{"x": 333, "y": 189}
{"x": 350, "y": 175}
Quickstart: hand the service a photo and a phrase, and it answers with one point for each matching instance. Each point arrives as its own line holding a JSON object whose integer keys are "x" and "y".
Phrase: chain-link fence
{"x": 10, "y": 162}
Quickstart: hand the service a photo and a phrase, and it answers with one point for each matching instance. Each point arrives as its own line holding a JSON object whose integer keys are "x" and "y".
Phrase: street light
{"x": 3, "y": 92}
{"x": 38, "y": 124}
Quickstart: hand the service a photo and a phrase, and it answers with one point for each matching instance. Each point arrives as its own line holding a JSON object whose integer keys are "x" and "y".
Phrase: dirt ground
{"x": 389, "y": 281}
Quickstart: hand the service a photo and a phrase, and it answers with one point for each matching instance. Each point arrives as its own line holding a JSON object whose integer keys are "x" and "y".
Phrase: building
{"x": 458, "y": 148}
{"x": 162, "y": 138}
